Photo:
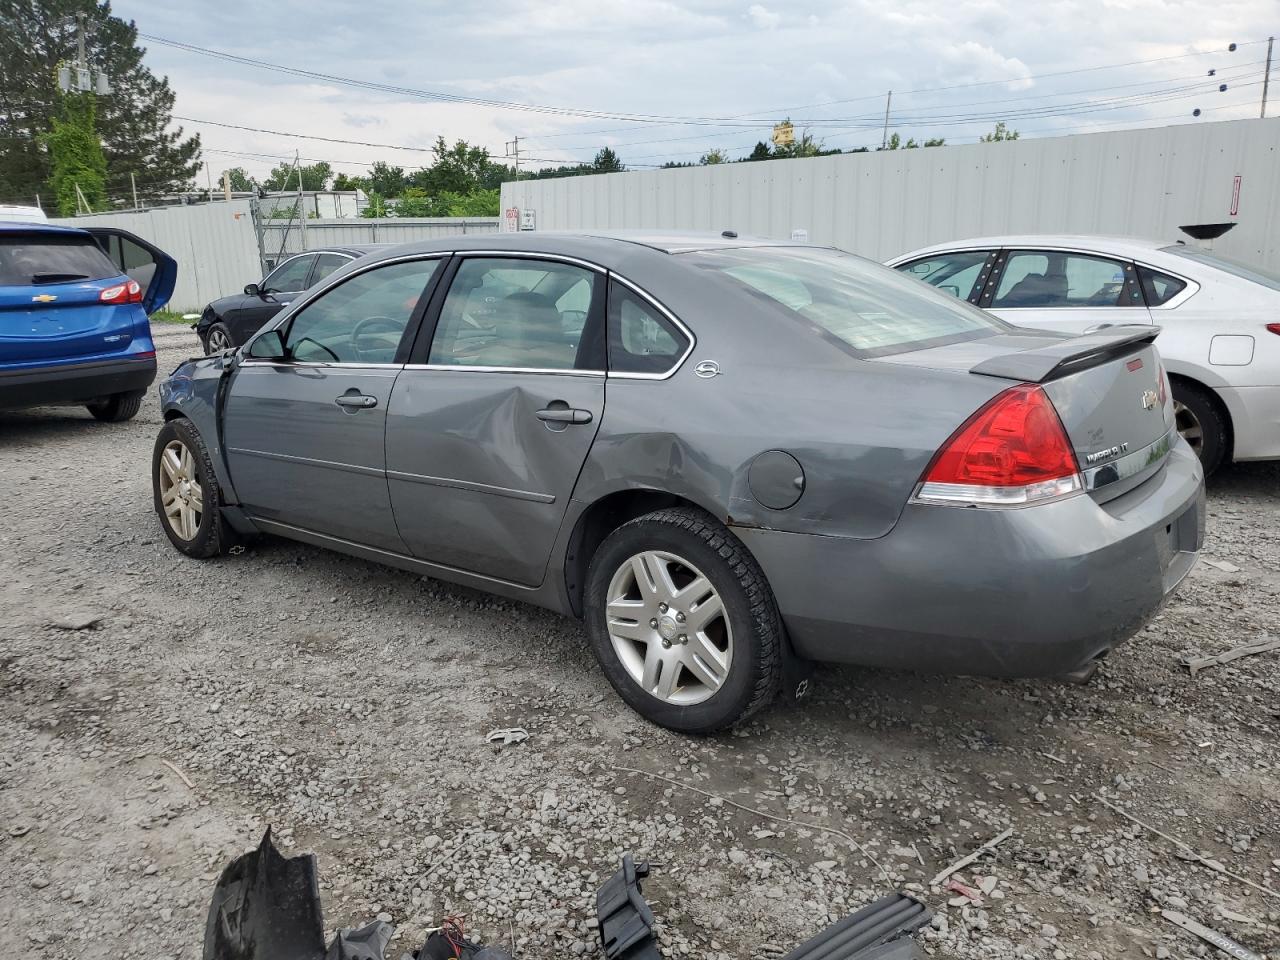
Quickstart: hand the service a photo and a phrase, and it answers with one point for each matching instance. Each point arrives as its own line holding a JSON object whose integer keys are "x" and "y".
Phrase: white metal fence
{"x": 218, "y": 250}
{"x": 1131, "y": 182}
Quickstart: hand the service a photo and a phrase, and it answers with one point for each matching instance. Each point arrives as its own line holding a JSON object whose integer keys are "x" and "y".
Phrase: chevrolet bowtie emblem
{"x": 44, "y": 298}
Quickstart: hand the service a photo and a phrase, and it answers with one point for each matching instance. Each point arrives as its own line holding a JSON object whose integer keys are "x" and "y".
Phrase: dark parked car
{"x": 73, "y": 317}
{"x": 230, "y": 321}
{"x": 721, "y": 454}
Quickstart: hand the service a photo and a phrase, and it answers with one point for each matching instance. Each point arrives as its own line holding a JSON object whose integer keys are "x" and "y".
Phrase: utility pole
{"x": 884, "y": 140}
{"x": 133, "y": 182}
{"x": 513, "y": 150}
{"x": 226, "y": 185}
{"x": 39, "y": 205}
{"x": 1266, "y": 76}
{"x": 302, "y": 214}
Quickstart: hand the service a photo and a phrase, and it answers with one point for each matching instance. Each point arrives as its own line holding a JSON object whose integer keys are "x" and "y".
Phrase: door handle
{"x": 361, "y": 400}
{"x": 564, "y": 415}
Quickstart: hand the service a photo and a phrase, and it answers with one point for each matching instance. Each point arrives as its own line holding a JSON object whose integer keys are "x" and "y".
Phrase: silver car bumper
{"x": 1035, "y": 591}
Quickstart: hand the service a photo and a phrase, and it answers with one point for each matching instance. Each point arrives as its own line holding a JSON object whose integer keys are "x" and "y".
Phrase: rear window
{"x": 870, "y": 308}
{"x": 34, "y": 260}
{"x": 1265, "y": 277}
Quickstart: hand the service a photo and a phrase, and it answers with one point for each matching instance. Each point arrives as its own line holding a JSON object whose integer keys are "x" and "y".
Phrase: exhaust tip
{"x": 1083, "y": 674}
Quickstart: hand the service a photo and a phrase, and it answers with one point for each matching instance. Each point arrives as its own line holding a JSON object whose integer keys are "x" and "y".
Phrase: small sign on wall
{"x": 1235, "y": 196}
{"x": 511, "y": 220}
{"x": 528, "y": 219}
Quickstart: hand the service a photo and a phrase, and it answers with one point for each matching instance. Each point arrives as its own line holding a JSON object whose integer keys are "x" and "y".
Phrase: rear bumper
{"x": 74, "y": 383}
{"x": 1036, "y": 591}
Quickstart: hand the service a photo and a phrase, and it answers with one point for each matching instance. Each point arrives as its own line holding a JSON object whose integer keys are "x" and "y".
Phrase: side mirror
{"x": 252, "y": 290}
{"x": 268, "y": 346}
{"x": 948, "y": 288}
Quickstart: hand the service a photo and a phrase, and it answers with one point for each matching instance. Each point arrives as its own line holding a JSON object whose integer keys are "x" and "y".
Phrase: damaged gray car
{"x": 725, "y": 456}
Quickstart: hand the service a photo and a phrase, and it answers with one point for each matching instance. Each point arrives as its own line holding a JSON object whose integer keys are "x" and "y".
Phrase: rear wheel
{"x": 1201, "y": 424}
{"x": 217, "y": 339}
{"x": 118, "y": 407}
{"x": 683, "y": 622}
{"x": 187, "y": 499}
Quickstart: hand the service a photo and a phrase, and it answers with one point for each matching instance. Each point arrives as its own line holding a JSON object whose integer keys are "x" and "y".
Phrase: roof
{"x": 1120, "y": 246}
{"x": 36, "y": 226}
{"x": 675, "y": 241}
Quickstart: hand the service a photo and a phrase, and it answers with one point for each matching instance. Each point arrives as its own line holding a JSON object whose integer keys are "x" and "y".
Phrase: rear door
{"x": 1066, "y": 290}
{"x": 276, "y": 291}
{"x": 490, "y": 424}
{"x": 304, "y": 434}
{"x": 154, "y": 270}
{"x": 51, "y": 307}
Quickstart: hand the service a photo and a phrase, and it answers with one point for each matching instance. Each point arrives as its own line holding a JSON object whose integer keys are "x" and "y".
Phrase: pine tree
{"x": 132, "y": 121}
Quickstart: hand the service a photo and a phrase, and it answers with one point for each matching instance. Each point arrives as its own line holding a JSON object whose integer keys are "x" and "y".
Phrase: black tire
{"x": 755, "y": 668}
{"x": 213, "y": 536}
{"x": 214, "y": 333}
{"x": 118, "y": 407}
{"x": 1202, "y": 424}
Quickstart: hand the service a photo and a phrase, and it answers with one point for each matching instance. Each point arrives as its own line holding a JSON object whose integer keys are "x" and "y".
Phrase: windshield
{"x": 48, "y": 258}
{"x": 1265, "y": 277}
{"x": 863, "y": 305}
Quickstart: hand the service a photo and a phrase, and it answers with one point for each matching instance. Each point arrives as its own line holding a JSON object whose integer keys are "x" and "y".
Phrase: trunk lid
{"x": 57, "y": 321}
{"x": 1106, "y": 387}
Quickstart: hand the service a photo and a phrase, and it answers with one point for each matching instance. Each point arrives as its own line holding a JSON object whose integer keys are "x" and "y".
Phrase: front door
{"x": 304, "y": 433}
{"x": 489, "y": 427}
{"x": 1068, "y": 291}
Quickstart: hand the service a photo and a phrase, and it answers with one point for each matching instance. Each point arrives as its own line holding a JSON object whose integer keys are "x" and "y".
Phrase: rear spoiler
{"x": 1069, "y": 355}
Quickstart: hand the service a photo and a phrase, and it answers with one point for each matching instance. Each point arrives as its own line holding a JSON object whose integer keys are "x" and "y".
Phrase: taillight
{"x": 1014, "y": 450}
{"x": 1273, "y": 327}
{"x": 128, "y": 292}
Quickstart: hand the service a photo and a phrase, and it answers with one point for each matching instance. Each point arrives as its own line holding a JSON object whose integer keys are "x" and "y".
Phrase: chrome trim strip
{"x": 532, "y": 255}
{"x": 312, "y": 364}
{"x": 1131, "y": 464}
{"x": 472, "y": 486}
{"x": 309, "y": 462}
{"x": 693, "y": 341}
{"x": 463, "y": 368}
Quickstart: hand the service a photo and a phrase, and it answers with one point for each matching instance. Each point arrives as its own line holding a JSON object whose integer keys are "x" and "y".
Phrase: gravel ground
{"x": 346, "y": 705}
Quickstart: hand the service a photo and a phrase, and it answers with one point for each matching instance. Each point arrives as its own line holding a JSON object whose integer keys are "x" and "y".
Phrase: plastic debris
{"x": 1219, "y": 940}
{"x": 505, "y": 736}
{"x": 1265, "y": 645}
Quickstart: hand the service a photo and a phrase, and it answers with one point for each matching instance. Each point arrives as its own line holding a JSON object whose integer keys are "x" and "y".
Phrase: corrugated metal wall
{"x": 214, "y": 243}
{"x": 1131, "y": 182}
{"x": 281, "y": 234}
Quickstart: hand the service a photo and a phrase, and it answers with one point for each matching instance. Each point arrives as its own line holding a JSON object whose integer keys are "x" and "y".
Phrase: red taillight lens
{"x": 1012, "y": 451}
{"x": 128, "y": 292}
{"x": 1273, "y": 327}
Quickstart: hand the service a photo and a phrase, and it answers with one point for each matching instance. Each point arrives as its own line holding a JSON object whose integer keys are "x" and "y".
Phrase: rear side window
{"x": 867, "y": 307}
{"x": 34, "y": 260}
{"x": 326, "y": 263}
{"x": 1159, "y": 287}
{"x": 641, "y": 339}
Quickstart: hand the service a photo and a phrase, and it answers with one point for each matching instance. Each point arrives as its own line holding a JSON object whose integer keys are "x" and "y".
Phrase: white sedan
{"x": 1220, "y": 319}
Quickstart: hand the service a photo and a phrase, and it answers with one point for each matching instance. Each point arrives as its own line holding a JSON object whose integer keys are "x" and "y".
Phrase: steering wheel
{"x": 361, "y": 329}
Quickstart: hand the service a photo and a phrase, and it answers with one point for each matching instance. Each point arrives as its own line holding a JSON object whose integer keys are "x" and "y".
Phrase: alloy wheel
{"x": 181, "y": 494}
{"x": 217, "y": 341}
{"x": 1189, "y": 426}
{"x": 669, "y": 628}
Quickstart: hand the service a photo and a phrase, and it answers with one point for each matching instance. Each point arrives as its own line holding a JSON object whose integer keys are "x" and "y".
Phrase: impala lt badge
{"x": 1149, "y": 400}
{"x": 1107, "y": 454}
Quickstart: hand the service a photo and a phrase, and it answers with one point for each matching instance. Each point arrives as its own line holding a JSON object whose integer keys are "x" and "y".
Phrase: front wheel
{"x": 683, "y": 622}
{"x": 118, "y": 407}
{"x": 187, "y": 499}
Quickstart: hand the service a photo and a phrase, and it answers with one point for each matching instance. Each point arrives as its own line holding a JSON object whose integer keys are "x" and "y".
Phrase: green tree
{"x": 713, "y": 156}
{"x": 761, "y": 151}
{"x": 346, "y": 182}
{"x": 481, "y": 203}
{"x": 804, "y": 146}
{"x": 133, "y": 122}
{"x": 1000, "y": 133}
{"x": 240, "y": 180}
{"x": 285, "y": 177}
{"x": 457, "y": 169}
{"x": 77, "y": 157}
{"x": 386, "y": 180}
{"x": 607, "y": 161}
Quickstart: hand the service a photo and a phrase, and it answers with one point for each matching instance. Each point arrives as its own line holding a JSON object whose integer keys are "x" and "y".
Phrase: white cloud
{"x": 763, "y": 17}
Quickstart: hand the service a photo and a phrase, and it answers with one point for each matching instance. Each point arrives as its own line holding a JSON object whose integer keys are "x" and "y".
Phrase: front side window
{"x": 326, "y": 263}
{"x": 1049, "y": 278}
{"x": 515, "y": 313}
{"x": 289, "y": 277}
{"x": 867, "y": 307}
{"x": 953, "y": 273}
{"x": 641, "y": 339}
{"x": 1158, "y": 287}
{"x": 363, "y": 319}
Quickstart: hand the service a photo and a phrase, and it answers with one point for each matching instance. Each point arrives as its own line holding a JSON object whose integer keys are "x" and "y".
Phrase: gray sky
{"x": 712, "y": 60}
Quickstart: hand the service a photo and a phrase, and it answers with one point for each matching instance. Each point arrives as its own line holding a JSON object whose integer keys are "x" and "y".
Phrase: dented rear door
{"x": 488, "y": 430}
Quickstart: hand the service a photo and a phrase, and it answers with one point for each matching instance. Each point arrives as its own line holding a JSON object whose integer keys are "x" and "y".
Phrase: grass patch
{"x": 170, "y": 316}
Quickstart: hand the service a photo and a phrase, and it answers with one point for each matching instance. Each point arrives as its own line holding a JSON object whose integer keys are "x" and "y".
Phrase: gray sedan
{"x": 727, "y": 457}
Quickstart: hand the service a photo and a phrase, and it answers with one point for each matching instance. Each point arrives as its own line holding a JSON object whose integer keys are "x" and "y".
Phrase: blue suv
{"x": 73, "y": 317}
